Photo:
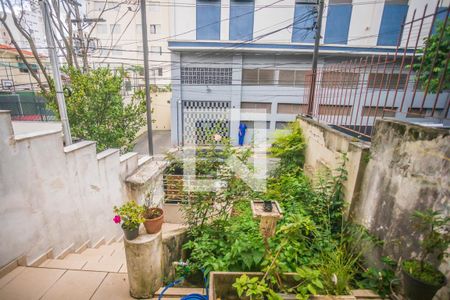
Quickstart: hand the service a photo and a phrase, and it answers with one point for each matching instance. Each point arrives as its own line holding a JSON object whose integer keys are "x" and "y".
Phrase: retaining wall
{"x": 54, "y": 196}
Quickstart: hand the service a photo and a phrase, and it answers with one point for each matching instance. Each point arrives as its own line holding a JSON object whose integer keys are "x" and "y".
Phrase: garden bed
{"x": 314, "y": 249}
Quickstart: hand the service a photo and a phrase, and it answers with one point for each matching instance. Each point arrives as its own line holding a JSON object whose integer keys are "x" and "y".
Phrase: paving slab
{"x": 10, "y": 276}
{"x": 105, "y": 264}
{"x": 75, "y": 285}
{"x": 114, "y": 287}
{"x": 30, "y": 284}
{"x": 71, "y": 263}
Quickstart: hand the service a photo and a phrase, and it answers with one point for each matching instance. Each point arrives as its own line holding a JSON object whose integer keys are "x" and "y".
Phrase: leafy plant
{"x": 435, "y": 242}
{"x": 97, "y": 110}
{"x": 309, "y": 282}
{"x": 152, "y": 213}
{"x": 130, "y": 214}
{"x": 254, "y": 288}
{"x": 436, "y": 51}
{"x": 289, "y": 146}
{"x": 380, "y": 280}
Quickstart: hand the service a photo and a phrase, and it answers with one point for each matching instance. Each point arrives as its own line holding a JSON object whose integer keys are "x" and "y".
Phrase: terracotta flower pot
{"x": 153, "y": 226}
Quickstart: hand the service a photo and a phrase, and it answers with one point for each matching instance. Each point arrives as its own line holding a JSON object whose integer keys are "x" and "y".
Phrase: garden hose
{"x": 194, "y": 296}
{"x": 187, "y": 297}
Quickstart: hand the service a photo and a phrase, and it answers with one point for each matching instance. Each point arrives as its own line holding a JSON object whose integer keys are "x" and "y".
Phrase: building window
{"x": 208, "y": 19}
{"x": 156, "y": 50}
{"x": 102, "y": 29}
{"x": 394, "y": 15}
{"x": 386, "y": 81}
{"x": 155, "y": 28}
{"x": 335, "y": 110}
{"x": 258, "y": 77}
{"x": 241, "y": 19}
{"x": 340, "y": 79}
{"x": 24, "y": 69}
{"x": 304, "y": 19}
{"x": 281, "y": 125}
{"x": 293, "y": 109}
{"x": 292, "y": 77}
{"x": 205, "y": 76}
{"x": 372, "y": 111}
{"x": 338, "y": 21}
{"x": 160, "y": 72}
{"x": 114, "y": 28}
{"x": 256, "y": 107}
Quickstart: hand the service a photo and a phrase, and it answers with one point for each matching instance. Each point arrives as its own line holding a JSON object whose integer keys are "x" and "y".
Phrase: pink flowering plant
{"x": 130, "y": 214}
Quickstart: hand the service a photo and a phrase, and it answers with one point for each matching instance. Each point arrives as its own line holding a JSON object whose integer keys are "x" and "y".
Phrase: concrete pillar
{"x": 144, "y": 264}
{"x": 236, "y": 95}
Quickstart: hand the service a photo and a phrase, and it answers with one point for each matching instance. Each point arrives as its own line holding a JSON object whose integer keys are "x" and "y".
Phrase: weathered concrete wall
{"x": 54, "y": 196}
{"x": 324, "y": 149}
{"x": 408, "y": 170}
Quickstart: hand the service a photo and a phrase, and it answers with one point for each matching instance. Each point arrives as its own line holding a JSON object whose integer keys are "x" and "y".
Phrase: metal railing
{"x": 411, "y": 83}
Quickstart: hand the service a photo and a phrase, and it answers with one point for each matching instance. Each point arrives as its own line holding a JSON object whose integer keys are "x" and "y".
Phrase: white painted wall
{"x": 273, "y": 17}
{"x": 53, "y": 196}
{"x": 184, "y": 16}
{"x": 365, "y": 23}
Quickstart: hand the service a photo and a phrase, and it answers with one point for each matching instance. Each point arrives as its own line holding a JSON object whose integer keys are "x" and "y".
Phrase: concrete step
{"x": 71, "y": 262}
{"x": 178, "y": 292}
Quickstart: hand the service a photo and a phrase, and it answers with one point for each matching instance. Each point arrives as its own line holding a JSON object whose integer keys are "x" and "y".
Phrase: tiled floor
{"x": 96, "y": 273}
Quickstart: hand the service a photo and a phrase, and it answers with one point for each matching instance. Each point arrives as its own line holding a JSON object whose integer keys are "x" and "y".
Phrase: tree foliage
{"x": 436, "y": 52}
{"x": 97, "y": 111}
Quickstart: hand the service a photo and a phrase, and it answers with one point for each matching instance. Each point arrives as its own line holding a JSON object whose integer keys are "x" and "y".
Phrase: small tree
{"x": 435, "y": 52}
{"x": 97, "y": 111}
{"x": 436, "y": 235}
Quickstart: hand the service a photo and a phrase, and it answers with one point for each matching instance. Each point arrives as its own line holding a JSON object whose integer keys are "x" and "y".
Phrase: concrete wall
{"x": 54, "y": 196}
{"x": 324, "y": 149}
{"x": 161, "y": 110}
{"x": 408, "y": 170}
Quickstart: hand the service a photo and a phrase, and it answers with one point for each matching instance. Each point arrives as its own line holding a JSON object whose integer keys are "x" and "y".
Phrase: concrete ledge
{"x": 146, "y": 173}
{"x": 78, "y": 145}
{"x": 352, "y": 140}
{"x": 20, "y": 261}
{"x": 100, "y": 242}
{"x": 65, "y": 252}
{"x": 108, "y": 152}
{"x": 127, "y": 156}
{"x": 40, "y": 259}
{"x": 83, "y": 247}
{"x": 32, "y": 135}
{"x": 144, "y": 159}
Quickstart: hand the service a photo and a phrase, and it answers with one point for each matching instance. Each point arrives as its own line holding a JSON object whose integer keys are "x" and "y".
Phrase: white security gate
{"x": 202, "y": 119}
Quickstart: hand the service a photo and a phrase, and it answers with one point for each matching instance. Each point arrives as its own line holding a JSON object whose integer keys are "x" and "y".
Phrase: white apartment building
{"x": 118, "y": 38}
{"x": 245, "y": 55}
{"x": 31, "y": 21}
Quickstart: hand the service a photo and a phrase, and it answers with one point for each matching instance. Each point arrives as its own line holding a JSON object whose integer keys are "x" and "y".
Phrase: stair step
{"x": 105, "y": 264}
{"x": 70, "y": 262}
{"x": 179, "y": 291}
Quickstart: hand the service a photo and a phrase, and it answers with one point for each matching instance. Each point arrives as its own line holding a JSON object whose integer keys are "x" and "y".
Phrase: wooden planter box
{"x": 221, "y": 287}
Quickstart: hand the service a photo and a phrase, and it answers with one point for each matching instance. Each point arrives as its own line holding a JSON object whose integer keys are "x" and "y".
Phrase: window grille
{"x": 206, "y": 76}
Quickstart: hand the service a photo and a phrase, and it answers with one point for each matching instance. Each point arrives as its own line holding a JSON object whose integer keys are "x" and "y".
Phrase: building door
{"x": 203, "y": 119}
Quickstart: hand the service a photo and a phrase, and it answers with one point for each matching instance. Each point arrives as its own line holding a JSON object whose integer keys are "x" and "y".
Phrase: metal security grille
{"x": 202, "y": 119}
{"x": 212, "y": 76}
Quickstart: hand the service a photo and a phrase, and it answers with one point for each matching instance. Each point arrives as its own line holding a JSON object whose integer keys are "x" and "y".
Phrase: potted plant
{"x": 421, "y": 279}
{"x": 154, "y": 218}
{"x": 130, "y": 215}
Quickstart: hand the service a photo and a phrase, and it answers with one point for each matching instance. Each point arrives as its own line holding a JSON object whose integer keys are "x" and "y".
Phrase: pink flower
{"x": 116, "y": 219}
{"x": 217, "y": 137}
